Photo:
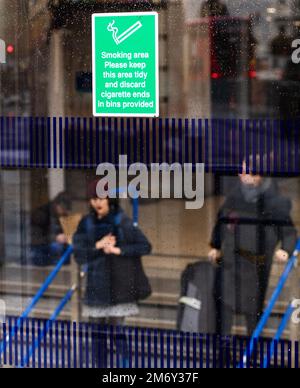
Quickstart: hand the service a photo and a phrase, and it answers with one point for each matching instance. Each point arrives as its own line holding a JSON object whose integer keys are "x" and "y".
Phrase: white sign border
{"x": 118, "y": 14}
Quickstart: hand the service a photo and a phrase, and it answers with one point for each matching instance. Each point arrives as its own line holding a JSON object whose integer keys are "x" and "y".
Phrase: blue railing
{"x": 64, "y": 301}
{"x": 26, "y": 361}
{"x": 39, "y": 295}
{"x": 264, "y": 319}
{"x": 276, "y": 339}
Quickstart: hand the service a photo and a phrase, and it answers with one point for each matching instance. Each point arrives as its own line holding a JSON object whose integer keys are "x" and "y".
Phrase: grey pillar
{"x": 56, "y": 103}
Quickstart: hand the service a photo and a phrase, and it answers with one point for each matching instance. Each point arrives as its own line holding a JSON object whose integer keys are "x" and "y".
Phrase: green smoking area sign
{"x": 125, "y": 64}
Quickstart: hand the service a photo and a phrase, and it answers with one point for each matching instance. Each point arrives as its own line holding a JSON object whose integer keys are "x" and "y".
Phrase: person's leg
{"x": 121, "y": 341}
{"x": 263, "y": 271}
{"x": 227, "y": 316}
{"x": 218, "y": 301}
{"x": 99, "y": 342}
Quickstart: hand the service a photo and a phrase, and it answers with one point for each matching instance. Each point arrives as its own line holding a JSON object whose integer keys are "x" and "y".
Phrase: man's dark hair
{"x": 214, "y": 8}
{"x": 63, "y": 200}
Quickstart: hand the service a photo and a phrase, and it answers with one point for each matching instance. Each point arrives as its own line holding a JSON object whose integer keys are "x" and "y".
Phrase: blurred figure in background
{"x": 108, "y": 242}
{"x": 281, "y": 48}
{"x": 253, "y": 221}
{"x": 48, "y": 241}
{"x": 214, "y": 8}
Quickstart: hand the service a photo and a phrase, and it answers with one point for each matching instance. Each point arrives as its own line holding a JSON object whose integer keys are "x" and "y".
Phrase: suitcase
{"x": 197, "y": 306}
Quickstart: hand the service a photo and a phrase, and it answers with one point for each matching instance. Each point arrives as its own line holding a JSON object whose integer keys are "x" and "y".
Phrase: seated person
{"x": 48, "y": 241}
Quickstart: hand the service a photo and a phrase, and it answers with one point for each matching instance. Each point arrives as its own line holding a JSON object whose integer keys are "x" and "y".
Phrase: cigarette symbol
{"x": 126, "y": 34}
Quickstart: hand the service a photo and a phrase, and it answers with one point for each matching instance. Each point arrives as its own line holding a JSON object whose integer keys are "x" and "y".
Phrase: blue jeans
{"x": 46, "y": 255}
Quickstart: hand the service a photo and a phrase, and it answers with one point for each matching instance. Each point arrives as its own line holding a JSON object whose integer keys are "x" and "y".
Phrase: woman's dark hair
{"x": 92, "y": 194}
{"x": 114, "y": 204}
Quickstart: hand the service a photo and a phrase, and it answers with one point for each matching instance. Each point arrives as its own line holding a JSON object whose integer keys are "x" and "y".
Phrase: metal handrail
{"x": 54, "y": 316}
{"x": 38, "y": 296}
{"x": 265, "y": 317}
{"x": 68, "y": 296}
{"x": 276, "y": 339}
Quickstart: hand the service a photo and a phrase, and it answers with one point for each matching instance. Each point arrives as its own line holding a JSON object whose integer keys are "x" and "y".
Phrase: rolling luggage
{"x": 197, "y": 306}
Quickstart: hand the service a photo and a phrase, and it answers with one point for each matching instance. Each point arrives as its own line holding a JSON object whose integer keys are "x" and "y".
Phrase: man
{"x": 252, "y": 223}
{"x": 214, "y": 8}
{"x": 48, "y": 241}
{"x": 281, "y": 48}
{"x": 281, "y": 45}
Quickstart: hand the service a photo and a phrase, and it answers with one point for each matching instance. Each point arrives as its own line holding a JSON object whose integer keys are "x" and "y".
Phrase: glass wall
{"x": 229, "y": 99}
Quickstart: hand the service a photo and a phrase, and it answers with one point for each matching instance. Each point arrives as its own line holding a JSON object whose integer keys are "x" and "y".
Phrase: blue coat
{"x": 112, "y": 280}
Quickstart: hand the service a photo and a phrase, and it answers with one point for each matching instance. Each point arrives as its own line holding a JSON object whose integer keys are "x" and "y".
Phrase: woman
{"x": 108, "y": 242}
